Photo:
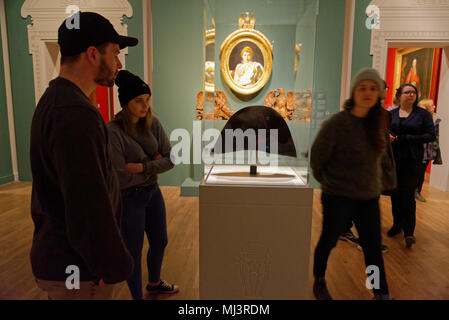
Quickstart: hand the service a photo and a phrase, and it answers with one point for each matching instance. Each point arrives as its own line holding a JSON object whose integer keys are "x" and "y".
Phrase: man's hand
{"x": 158, "y": 156}
{"x": 134, "y": 167}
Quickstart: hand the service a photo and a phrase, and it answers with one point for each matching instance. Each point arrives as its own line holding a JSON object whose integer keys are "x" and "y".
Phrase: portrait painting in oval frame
{"x": 246, "y": 60}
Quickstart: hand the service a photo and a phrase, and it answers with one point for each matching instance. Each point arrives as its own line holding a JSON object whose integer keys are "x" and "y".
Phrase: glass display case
{"x": 258, "y": 54}
{"x": 255, "y": 200}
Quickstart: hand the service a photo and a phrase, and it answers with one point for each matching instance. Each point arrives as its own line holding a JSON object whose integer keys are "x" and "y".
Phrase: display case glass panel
{"x": 258, "y": 53}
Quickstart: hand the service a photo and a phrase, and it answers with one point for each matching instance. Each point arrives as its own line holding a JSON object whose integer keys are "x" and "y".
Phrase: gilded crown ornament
{"x": 247, "y": 20}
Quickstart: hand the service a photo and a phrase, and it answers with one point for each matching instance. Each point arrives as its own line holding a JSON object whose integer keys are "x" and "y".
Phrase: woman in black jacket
{"x": 411, "y": 126}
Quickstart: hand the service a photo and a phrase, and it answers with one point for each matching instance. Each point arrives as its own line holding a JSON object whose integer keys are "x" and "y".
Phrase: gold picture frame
{"x": 246, "y": 58}
{"x": 209, "y": 66}
{"x": 418, "y": 66}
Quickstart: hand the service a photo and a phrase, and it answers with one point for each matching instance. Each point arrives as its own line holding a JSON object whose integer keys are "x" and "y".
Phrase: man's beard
{"x": 105, "y": 77}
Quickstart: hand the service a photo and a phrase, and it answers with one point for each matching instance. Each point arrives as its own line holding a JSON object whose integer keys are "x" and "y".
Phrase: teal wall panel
{"x": 6, "y": 174}
{"x": 177, "y": 69}
{"x": 361, "y": 57}
{"x": 328, "y": 64}
{"x": 305, "y": 35}
{"x": 22, "y": 83}
{"x": 329, "y": 52}
{"x": 267, "y": 12}
{"x": 134, "y": 59}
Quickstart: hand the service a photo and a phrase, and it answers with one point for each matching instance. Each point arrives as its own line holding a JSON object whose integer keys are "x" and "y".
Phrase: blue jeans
{"x": 144, "y": 212}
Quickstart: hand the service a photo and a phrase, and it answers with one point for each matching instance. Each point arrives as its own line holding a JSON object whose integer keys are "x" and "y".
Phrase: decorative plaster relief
{"x": 47, "y": 16}
{"x": 408, "y": 21}
{"x": 432, "y": 3}
{"x": 404, "y": 4}
{"x": 412, "y": 23}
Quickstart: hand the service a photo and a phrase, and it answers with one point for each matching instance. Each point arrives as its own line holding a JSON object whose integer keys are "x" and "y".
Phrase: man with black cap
{"x": 77, "y": 250}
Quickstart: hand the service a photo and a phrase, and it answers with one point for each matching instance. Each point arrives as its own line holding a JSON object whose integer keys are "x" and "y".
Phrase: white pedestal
{"x": 254, "y": 235}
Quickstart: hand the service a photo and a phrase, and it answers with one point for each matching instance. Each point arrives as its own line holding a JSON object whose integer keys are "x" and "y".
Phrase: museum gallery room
{"x": 239, "y": 219}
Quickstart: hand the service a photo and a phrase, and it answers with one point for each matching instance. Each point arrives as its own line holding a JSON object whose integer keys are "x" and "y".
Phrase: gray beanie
{"x": 369, "y": 74}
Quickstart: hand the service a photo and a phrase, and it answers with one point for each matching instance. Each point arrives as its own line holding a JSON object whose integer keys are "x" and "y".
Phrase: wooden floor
{"x": 419, "y": 273}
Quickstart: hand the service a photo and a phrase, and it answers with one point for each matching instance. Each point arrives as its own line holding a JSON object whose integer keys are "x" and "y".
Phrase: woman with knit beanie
{"x": 141, "y": 151}
{"x": 347, "y": 160}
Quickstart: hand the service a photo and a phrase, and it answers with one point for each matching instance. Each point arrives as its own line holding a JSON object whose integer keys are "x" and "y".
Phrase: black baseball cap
{"x": 77, "y": 33}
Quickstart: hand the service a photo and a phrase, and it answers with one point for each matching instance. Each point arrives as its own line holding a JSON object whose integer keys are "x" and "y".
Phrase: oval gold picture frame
{"x": 209, "y": 68}
{"x": 231, "y": 50}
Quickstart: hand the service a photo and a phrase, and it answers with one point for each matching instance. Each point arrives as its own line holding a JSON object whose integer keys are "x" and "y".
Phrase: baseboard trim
{"x": 6, "y": 179}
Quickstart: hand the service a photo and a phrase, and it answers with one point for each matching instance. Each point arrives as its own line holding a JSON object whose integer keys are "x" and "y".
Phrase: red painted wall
{"x": 103, "y": 99}
{"x": 389, "y": 77}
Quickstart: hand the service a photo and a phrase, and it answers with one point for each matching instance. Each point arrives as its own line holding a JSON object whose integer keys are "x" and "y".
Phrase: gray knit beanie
{"x": 369, "y": 74}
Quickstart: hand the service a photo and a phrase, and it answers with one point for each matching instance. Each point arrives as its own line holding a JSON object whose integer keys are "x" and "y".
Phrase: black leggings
{"x": 403, "y": 201}
{"x": 422, "y": 175}
{"x": 337, "y": 213}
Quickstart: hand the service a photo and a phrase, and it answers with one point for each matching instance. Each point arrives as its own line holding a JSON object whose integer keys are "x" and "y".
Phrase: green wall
{"x": 177, "y": 69}
{"x": 361, "y": 57}
{"x": 134, "y": 59}
{"x": 329, "y": 52}
{"x": 6, "y": 174}
{"x": 22, "y": 73}
{"x": 305, "y": 34}
{"x": 328, "y": 64}
{"x": 22, "y": 83}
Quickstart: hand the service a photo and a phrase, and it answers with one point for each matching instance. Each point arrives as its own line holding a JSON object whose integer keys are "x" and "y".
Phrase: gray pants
{"x": 57, "y": 290}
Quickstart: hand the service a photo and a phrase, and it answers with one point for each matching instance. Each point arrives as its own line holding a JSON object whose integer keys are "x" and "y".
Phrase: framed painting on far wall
{"x": 419, "y": 66}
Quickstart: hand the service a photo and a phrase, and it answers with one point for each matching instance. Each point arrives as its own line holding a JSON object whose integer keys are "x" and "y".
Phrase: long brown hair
{"x": 141, "y": 128}
{"x": 376, "y": 124}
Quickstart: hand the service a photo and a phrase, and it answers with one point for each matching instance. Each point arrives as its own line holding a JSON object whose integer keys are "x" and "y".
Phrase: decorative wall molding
{"x": 412, "y": 24}
{"x": 409, "y": 4}
{"x": 47, "y": 16}
{"x": 432, "y": 3}
{"x": 381, "y": 39}
{"x": 408, "y": 22}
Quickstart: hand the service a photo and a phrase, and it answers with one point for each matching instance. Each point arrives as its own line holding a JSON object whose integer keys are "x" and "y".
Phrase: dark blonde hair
{"x": 141, "y": 128}
{"x": 427, "y": 104}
